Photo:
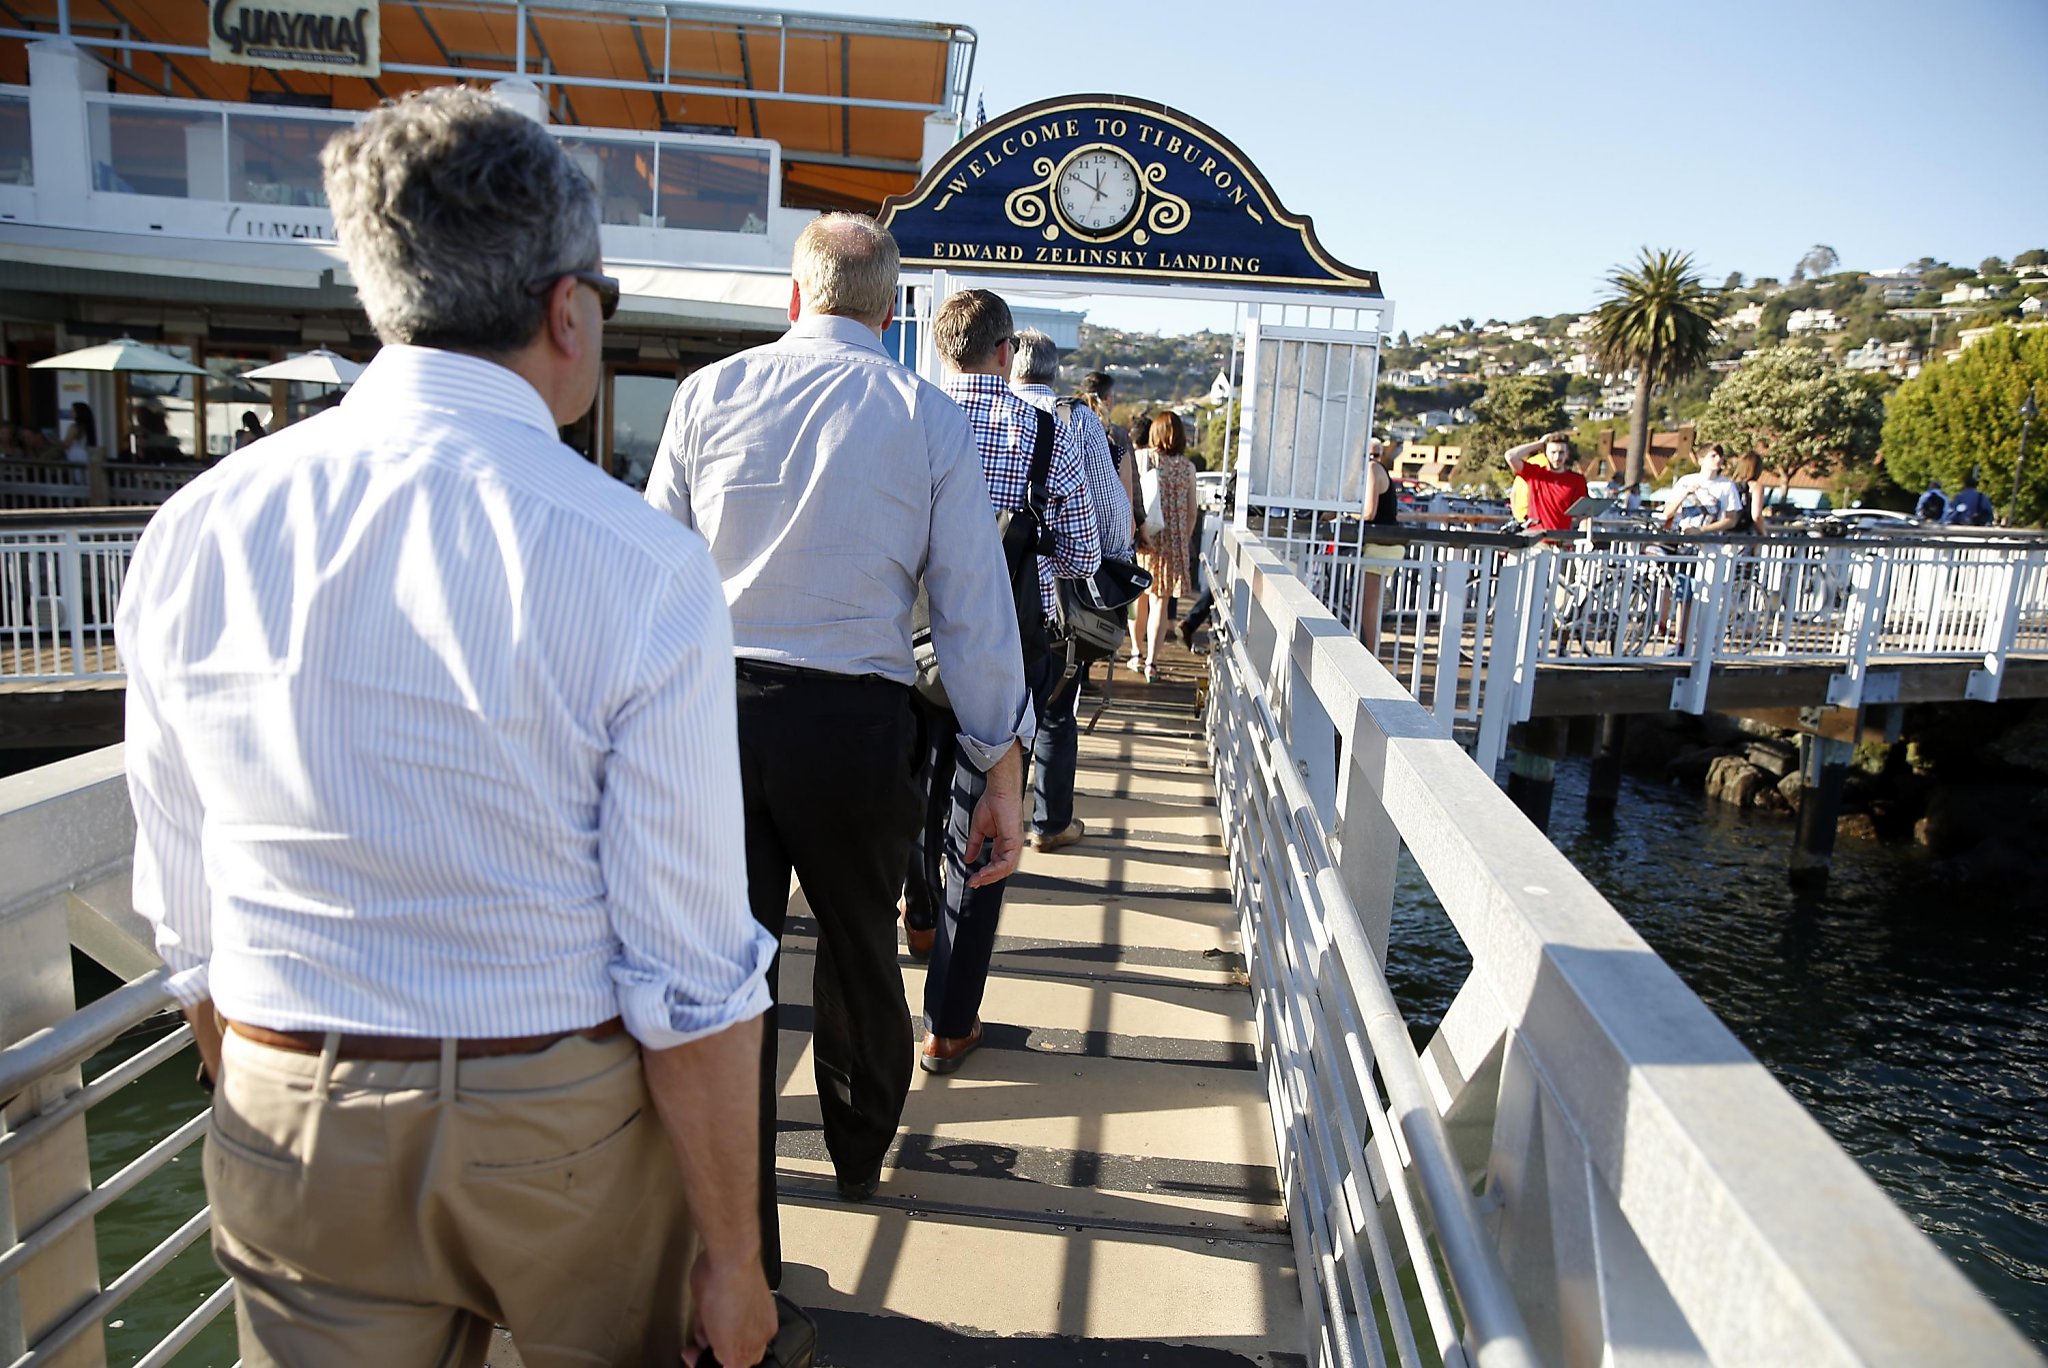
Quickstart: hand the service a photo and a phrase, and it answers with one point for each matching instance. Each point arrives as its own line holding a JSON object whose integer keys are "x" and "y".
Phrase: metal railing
{"x": 1466, "y": 620}
{"x": 59, "y": 587}
{"x": 71, "y": 484}
{"x": 1582, "y": 1166}
{"x": 66, "y": 851}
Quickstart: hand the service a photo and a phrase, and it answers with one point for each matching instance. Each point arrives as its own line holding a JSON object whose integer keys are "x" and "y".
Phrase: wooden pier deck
{"x": 1097, "y": 1184}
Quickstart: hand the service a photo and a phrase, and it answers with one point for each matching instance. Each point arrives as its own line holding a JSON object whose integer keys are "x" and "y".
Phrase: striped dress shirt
{"x": 1098, "y": 464}
{"x": 1006, "y": 433}
{"x": 431, "y": 731}
{"x": 829, "y": 480}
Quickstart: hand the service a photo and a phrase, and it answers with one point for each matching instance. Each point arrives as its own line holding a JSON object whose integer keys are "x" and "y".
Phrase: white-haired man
{"x": 1034, "y": 365}
{"x": 430, "y": 740}
{"x": 829, "y": 480}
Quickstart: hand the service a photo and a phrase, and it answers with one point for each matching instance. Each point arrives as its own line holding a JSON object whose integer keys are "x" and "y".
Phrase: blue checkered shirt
{"x": 1006, "y": 431}
{"x": 1098, "y": 464}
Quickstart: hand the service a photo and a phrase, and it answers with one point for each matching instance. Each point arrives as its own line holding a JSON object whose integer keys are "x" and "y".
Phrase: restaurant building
{"x": 160, "y": 179}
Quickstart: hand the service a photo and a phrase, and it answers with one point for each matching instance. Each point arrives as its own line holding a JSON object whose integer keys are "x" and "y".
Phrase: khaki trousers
{"x": 388, "y": 1213}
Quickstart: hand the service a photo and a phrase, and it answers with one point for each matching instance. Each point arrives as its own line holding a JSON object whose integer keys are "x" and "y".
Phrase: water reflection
{"x": 1905, "y": 1016}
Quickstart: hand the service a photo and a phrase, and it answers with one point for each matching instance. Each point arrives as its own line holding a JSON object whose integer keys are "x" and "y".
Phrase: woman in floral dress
{"x": 1163, "y": 546}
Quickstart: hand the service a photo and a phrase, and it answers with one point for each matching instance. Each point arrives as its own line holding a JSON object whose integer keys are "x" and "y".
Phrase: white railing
{"x": 67, "y": 839}
{"x": 70, "y": 484}
{"x": 1582, "y": 1166}
{"x": 59, "y": 587}
{"x": 1467, "y": 621}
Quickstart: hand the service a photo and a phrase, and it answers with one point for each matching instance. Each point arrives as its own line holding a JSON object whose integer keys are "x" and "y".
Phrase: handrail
{"x": 1646, "y": 1181}
{"x": 84, "y": 1033}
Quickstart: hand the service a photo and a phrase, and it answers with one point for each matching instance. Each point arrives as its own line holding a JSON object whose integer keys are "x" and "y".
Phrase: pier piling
{"x": 1532, "y": 775}
{"x": 1603, "y": 784}
{"x": 1824, "y": 772}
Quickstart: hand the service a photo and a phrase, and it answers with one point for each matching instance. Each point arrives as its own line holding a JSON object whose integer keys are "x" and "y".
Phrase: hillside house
{"x": 1812, "y": 320}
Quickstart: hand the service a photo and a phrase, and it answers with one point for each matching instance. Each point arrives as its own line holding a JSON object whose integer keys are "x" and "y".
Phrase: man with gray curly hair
{"x": 432, "y": 755}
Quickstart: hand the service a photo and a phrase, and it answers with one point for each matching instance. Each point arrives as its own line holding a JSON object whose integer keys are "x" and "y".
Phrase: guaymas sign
{"x": 1106, "y": 186}
{"x": 338, "y": 37}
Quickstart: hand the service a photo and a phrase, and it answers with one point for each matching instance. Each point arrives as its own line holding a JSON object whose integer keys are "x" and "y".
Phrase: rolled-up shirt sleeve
{"x": 974, "y": 617}
{"x": 692, "y": 960}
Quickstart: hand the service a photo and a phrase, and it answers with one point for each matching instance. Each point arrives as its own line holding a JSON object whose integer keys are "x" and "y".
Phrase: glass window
{"x": 161, "y": 425}
{"x": 168, "y": 152}
{"x": 714, "y": 190}
{"x": 623, "y": 173}
{"x": 17, "y": 162}
{"x": 639, "y": 411}
{"x": 234, "y": 404}
{"x": 275, "y": 159}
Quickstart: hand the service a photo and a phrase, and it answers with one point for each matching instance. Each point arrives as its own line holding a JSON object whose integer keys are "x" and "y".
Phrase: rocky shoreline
{"x": 1966, "y": 781}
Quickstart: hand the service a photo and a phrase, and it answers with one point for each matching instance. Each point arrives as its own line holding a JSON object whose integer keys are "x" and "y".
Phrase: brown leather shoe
{"x": 1065, "y": 836}
{"x": 943, "y": 1054}
{"x": 920, "y": 942}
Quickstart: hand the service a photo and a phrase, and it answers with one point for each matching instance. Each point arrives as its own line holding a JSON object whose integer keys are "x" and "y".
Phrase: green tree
{"x": 1733, "y": 282}
{"x": 1964, "y": 414}
{"x": 1215, "y": 451}
{"x": 1658, "y": 320}
{"x": 1798, "y": 412}
{"x": 1816, "y": 263}
{"x": 1514, "y": 409}
{"x": 1991, "y": 266}
{"x": 2033, "y": 256}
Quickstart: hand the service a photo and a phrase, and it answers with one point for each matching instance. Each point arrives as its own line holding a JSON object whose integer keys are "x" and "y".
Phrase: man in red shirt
{"x": 1551, "y": 491}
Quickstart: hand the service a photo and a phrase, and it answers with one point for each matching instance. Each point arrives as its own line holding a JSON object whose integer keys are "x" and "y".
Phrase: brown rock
{"x": 1857, "y": 826}
{"x": 1790, "y": 787}
{"x": 1733, "y": 780}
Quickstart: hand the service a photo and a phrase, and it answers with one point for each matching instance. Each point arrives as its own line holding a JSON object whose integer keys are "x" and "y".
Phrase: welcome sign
{"x": 338, "y": 37}
{"x": 1109, "y": 187}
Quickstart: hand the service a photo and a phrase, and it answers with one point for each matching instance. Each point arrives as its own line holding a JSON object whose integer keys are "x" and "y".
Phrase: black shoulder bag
{"x": 1026, "y": 536}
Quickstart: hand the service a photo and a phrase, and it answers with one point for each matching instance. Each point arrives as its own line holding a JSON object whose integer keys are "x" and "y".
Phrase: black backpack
{"x": 1026, "y": 536}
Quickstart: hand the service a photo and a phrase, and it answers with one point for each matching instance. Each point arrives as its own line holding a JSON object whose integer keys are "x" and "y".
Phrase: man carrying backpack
{"x": 1029, "y": 462}
{"x": 1933, "y": 503}
{"x": 1056, "y": 751}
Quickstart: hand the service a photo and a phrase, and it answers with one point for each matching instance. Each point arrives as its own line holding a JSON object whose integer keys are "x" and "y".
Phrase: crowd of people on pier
{"x": 469, "y": 786}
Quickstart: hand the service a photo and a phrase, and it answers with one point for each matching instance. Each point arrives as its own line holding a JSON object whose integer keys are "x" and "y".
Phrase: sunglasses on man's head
{"x": 607, "y": 287}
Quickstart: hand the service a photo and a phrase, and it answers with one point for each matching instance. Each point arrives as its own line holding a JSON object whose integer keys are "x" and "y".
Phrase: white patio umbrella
{"x": 126, "y": 354}
{"x": 317, "y": 367}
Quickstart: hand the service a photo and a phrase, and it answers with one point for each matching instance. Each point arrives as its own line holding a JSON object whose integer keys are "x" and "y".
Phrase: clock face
{"x": 1097, "y": 190}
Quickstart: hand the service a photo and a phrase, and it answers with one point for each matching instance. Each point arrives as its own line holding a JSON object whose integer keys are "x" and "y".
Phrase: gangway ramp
{"x": 1097, "y": 1184}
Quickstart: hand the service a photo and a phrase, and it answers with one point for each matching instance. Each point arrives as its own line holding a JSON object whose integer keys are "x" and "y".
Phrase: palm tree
{"x": 1659, "y": 320}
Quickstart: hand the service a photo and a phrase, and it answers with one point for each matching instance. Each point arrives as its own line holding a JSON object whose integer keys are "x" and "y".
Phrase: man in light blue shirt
{"x": 1056, "y": 752}
{"x": 431, "y": 748}
{"x": 828, "y": 481}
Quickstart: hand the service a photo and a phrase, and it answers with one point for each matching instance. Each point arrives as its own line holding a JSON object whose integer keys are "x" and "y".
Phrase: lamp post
{"x": 2028, "y": 412}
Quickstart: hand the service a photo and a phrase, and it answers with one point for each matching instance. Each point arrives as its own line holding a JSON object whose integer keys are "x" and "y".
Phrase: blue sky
{"x": 1496, "y": 159}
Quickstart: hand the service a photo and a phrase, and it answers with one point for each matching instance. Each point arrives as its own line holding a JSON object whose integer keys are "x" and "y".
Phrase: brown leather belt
{"x": 417, "y": 1047}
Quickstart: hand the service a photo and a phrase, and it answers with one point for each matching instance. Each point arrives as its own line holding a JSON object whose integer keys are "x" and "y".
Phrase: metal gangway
{"x": 1262, "y": 1155}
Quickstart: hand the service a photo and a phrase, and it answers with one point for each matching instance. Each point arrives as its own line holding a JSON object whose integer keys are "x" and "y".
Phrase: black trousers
{"x": 828, "y": 771}
{"x": 935, "y": 892}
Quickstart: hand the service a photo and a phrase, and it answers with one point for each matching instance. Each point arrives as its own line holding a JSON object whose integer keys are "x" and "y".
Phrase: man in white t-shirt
{"x": 1705, "y": 501}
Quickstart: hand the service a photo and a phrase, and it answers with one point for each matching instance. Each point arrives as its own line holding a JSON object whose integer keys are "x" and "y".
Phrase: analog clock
{"x": 1097, "y": 190}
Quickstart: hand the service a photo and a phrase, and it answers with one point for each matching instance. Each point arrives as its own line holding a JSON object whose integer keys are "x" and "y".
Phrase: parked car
{"x": 1875, "y": 519}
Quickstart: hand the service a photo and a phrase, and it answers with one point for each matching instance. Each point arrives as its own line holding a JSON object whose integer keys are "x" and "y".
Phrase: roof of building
{"x": 845, "y": 97}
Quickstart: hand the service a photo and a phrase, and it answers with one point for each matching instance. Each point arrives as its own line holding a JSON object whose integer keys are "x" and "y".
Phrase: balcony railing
{"x": 250, "y": 155}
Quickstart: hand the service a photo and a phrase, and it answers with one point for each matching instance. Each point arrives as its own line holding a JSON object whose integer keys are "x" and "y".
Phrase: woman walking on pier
{"x": 1163, "y": 545}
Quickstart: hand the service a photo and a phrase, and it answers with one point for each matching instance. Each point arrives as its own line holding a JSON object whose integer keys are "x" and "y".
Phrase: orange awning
{"x": 689, "y": 66}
